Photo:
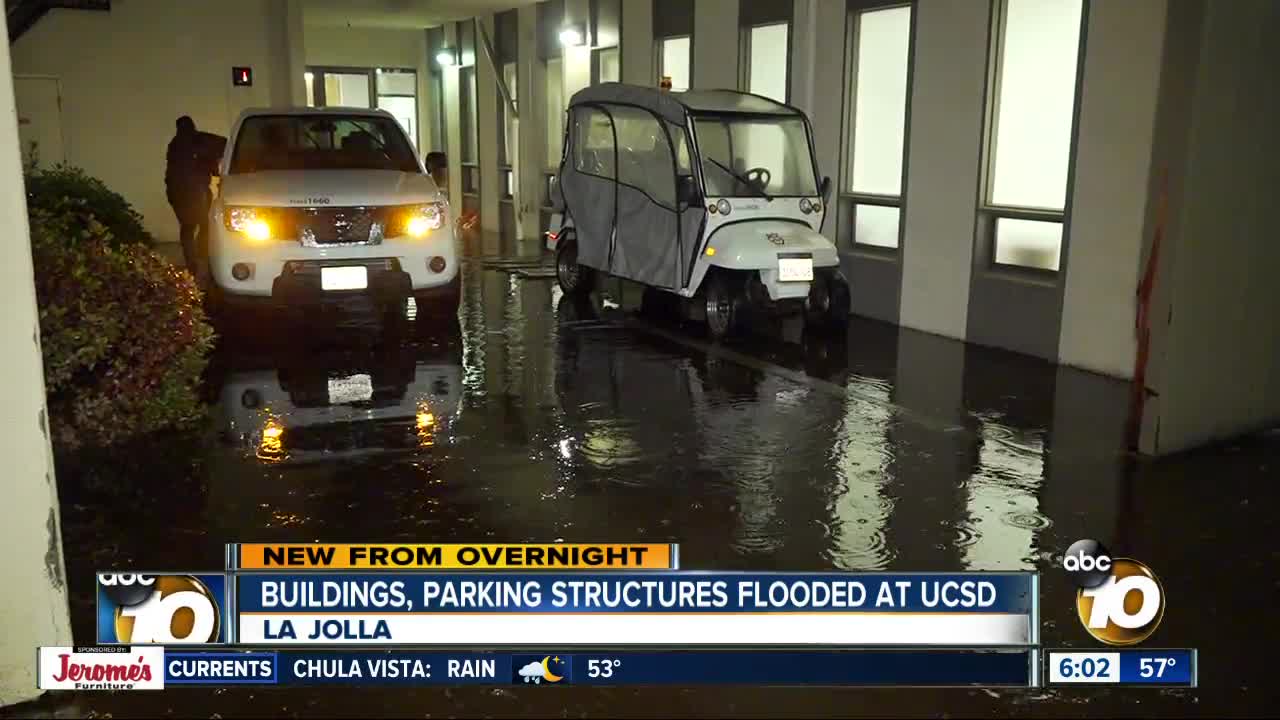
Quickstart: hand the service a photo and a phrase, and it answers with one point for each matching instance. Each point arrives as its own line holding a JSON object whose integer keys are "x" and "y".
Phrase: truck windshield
{"x": 755, "y": 157}
{"x": 321, "y": 142}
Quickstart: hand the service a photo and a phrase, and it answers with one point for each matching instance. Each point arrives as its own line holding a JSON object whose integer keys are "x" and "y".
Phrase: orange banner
{"x": 360, "y": 556}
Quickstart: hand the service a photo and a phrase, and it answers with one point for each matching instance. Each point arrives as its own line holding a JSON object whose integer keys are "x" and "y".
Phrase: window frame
{"x": 659, "y": 55}
{"x": 989, "y": 213}
{"x": 595, "y": 62}
{"x": 848, "y": 200}
{"x": 470, "y": 119}
{"x": 744, "y": 55}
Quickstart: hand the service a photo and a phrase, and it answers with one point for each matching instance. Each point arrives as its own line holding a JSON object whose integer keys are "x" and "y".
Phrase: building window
{"x": 507, "y": 146}
{"x": 875, "y": 128}
{"x": 606, "y": 65}
{"x": 765, "y": 50}
{"x": 439, "y": 128}
{"x": 392, "y": 89}
{"x": 1030, "y": 125}
{"x": 398, "y": 95}
{"x": 673, "y": 60}
{"x": 470, "y": 149}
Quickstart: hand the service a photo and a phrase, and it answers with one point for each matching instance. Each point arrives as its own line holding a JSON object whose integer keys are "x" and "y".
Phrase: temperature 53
{"x": 602, "y": 667}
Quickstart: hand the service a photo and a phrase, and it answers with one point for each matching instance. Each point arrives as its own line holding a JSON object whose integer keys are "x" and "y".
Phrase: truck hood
{"x": 339, "y": 188}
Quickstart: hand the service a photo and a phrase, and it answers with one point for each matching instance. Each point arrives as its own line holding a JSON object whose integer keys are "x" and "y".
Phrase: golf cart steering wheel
{"x": 759, "y": 177}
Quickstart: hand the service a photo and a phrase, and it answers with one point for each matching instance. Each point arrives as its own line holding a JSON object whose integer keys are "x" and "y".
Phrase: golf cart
{"x": 712, "y": 195}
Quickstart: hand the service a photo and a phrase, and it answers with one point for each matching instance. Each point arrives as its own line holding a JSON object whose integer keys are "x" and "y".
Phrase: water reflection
{"x": 1002, "y": 501}
{"x": 296, "y": 408}
{"x": 859, "y": 506}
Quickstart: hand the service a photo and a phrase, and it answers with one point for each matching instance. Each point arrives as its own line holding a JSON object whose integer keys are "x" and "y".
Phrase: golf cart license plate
{"x": 795, "y": 269}
{"x": 344, "y": 278}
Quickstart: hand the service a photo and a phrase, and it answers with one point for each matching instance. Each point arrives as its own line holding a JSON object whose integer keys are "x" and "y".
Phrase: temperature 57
{"x": 1154, "y": 667}
{"x": 602, "y": 667}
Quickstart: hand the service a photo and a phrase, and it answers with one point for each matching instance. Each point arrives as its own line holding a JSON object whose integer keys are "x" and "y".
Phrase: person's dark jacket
{"x": 190, "y": 161}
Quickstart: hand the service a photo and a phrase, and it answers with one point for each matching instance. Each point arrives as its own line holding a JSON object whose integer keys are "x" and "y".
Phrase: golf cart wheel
{"x": 574, "y": 279}
{"x": 827, "y": 307}
{"x": 724, "y": 302}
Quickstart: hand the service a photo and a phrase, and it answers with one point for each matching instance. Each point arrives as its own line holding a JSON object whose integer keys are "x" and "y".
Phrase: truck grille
{"x": 323, "y": 226}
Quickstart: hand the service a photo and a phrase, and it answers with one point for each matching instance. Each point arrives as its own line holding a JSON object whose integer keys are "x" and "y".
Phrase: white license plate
{"x": 344, "y": 278}
{"x": 352, "y": 389}
{"x": 795, "y": 269}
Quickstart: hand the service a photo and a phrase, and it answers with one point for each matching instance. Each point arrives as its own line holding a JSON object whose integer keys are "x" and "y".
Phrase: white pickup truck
{"x": 320, "y": 205}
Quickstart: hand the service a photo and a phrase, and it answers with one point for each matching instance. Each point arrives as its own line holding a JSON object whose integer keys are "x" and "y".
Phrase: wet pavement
{"x": 540, "y": 419}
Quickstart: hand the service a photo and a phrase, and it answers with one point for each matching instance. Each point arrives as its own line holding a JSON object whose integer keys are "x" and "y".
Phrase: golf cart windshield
{"x": 750, "y": 156}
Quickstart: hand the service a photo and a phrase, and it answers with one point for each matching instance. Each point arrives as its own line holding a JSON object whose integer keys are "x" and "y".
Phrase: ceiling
{"x": 399, "y": 14}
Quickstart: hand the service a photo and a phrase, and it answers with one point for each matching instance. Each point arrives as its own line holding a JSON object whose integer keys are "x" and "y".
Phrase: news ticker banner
{"x": 557, "y": 609}
{"x": 154, "y": 668}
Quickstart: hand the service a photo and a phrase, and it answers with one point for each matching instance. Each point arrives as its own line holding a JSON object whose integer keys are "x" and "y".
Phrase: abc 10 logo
{"x": 159, "y": 609}
{"x": 1119, "y": 600}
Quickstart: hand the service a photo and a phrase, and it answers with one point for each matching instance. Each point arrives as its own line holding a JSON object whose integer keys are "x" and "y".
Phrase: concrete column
{"x": 817, "y": 84}
{"x": 35, "y": 604}
{"x": 297, "y": 50}
{"x": 1215, "y": 332}
{"x": 287, "y": 54}
{"x": 715, "y": 44}
{"x": 453, "y": 121}
{"x": 533, "y": 123}
{"x": 577, "y": 60}
{"x": 637, "y": 42}
{"x": 943, "y": 167}
{"x": 487, "y": 127}
{"x": 1113, "y": 162}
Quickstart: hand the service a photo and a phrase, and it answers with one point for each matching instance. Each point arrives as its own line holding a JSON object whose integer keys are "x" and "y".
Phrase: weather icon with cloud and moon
{"x": 537, "y": 670}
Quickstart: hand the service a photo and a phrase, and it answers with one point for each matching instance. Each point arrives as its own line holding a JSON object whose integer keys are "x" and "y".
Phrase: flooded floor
{"x": 551, "y": 420}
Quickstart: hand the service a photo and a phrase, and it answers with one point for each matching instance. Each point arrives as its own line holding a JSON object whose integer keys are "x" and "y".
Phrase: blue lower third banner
{"x": 680, "y": 609}
{"x": 1005, "y": 668}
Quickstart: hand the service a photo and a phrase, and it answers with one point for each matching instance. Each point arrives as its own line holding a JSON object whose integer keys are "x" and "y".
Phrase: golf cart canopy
{"x": 675, "y": 107}
{"x": 640, "y": 164}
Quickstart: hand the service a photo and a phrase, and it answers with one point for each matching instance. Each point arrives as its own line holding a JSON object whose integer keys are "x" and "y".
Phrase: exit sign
{"x": 242, "y": 76}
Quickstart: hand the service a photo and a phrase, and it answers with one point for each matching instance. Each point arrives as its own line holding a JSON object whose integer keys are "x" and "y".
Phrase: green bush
{"x": 67, "y": 191}
{"x": 123, "y": 332}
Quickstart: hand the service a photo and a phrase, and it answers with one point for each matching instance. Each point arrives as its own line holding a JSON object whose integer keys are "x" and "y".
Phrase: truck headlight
{"x": 248, "y": 221}
{"x": 422, "y": 219}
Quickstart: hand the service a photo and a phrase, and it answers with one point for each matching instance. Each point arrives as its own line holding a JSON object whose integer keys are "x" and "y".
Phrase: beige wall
{"x": 129, "y": 73}
{"x": 35, "y": 611}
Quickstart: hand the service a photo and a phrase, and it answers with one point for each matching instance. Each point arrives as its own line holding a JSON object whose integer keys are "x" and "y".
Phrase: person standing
{"x": 189, "y": 166}
{"x": 438, "y": 168}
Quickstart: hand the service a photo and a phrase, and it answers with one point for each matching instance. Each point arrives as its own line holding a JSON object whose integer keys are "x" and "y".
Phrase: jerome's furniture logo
{"x": 100, "y": 668}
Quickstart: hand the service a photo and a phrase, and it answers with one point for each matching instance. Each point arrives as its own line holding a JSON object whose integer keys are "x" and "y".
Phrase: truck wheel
{"x": 827, "y": 307}
{"x": 724, "y": 302}
{"x": 574, "y": 279}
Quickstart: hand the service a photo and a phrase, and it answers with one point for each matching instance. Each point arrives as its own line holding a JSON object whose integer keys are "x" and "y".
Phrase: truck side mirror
{"x": 826, "y": 190}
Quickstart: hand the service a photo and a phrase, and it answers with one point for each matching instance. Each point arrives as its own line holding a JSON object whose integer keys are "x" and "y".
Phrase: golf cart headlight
{"x": 424, "y": 218}
{"x": 723, "y": 206}
{"x": 247, "y": 221}
{"x": 806, "y": 206}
